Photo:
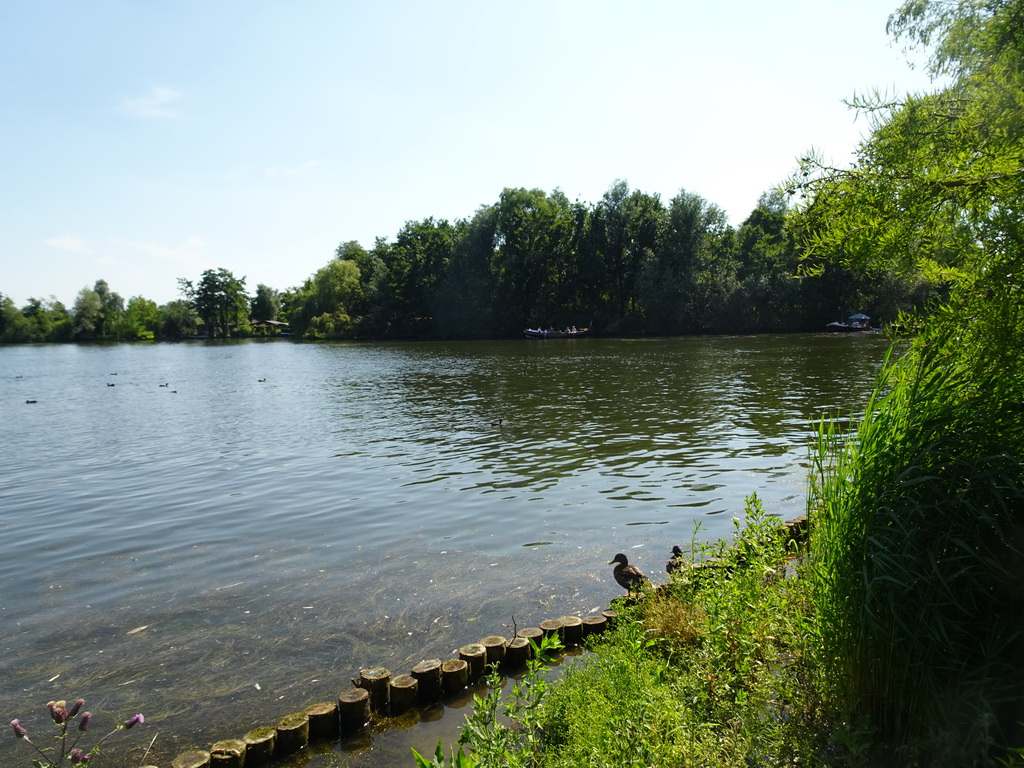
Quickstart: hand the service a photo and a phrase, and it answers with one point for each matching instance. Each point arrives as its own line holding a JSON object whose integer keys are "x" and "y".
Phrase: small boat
{"x": 858, "y": 323}
{"x": 565, "y": 333}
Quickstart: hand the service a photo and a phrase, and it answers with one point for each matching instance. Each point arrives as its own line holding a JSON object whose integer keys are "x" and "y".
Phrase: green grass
{"x": 896, "y": 639}
{"x": 711, "y": 671}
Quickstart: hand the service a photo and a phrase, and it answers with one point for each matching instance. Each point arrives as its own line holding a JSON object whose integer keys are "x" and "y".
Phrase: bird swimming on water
{"x": 628, "y": 576}
{"x": 675, "y": 560}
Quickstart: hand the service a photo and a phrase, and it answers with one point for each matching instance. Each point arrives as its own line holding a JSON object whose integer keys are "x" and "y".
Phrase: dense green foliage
{"x": 919, "y": 535}
{"x": 629, "y": 264}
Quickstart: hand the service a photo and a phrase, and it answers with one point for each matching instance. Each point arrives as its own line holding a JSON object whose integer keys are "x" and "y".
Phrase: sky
{"x": 144, "y": 141}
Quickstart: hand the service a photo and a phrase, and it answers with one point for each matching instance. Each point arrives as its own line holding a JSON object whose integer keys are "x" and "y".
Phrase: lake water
{"x": 237, "y": 544}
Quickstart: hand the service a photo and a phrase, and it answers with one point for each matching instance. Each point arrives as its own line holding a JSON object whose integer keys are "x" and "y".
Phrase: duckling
{"x": 628, "y": 576}
{"x": 675, "y": 560}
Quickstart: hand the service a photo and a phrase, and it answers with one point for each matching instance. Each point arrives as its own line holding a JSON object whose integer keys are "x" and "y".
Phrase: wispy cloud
{"x": 161, "y": 102}
{"x": 189, "y": 252}
{"x": 277, "y": 171}
{"x": 68, "y": 243}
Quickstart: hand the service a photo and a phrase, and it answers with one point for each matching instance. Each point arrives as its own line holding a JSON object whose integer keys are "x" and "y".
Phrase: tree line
{"x": 629, "y": 264}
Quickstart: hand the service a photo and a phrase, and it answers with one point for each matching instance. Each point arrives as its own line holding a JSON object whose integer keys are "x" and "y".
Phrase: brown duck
{"x": 675, "y": 560}
{"x": 628, "y": 576}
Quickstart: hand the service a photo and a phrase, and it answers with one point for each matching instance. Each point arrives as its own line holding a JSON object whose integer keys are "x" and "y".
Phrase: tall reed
{"x": 917, "y": 538}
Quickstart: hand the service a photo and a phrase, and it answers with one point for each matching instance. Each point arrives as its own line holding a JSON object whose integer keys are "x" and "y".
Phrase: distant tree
{"x": 179, "y": 319}
{"x": 111, "y": 310}
{"x": 528, "y": 225}
{"x": 325, "y": 301}
{"x": 220, "y": 300}
{"x": 463, "y": 305}
{"x": 39, "y": 320}
{"x": 142, "y": 318}
{"x": 266, "y": 303}
{"x": 88, "y": 315}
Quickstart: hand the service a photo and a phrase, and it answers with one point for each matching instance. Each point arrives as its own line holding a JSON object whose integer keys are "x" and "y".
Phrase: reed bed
{"x": 917, "y": 538}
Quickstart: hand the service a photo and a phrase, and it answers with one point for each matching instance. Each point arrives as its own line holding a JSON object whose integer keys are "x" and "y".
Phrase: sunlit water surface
{"x": 237, "y": 544}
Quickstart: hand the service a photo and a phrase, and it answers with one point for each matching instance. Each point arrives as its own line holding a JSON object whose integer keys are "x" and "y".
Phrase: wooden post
{"x": 593, "y": 625}
{"x": 551, "y": 626}
{"x": 323, "y": 720}
{"x": 610, "y": 615}
{"x": 292, "y": 733}
{"x": 797, "y": 529}
{"x": 403, "y": 693}
{"x": 475, "y": 655}
{"x": 517, "y": 652}
{"x": 375, "y": 680}
{"x": 454, "y": 675}
{"x": 531, "y": 633}
{"x": 194, "y": 758}
{"x": 259, "y": 746}
{"x": 229, "y": 753}
{"x": 494, "y": 645}
{"x": 353, "y": 709}
{"x": 572, "y": 630}
{"x": 428, "y": 673}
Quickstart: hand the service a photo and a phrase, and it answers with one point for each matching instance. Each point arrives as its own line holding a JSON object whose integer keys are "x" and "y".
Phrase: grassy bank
{"x": 895, "y": 639}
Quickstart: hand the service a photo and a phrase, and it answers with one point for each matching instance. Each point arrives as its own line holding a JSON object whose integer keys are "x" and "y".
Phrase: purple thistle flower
{"x": 58, "y": 711}
{"x": 83, "y": 724}
{"x": 19, "y": 729}
{"x": 132, "y": 721}
{"x": 75, "y": 707}
{"x": 78, "y": 756}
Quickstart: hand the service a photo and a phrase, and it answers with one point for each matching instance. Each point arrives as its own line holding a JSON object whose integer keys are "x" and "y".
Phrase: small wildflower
{"x": 19, "y": 729}
{"x": 78, "y": 756}
{"x": 58, "y": 711}
{"x": 75, "y": 707}
{"x": 83, "y": 724}
{"x": 134, "y": 720}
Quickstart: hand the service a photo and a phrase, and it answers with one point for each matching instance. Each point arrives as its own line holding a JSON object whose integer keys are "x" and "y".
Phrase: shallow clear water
{"x": 223, "y": 550}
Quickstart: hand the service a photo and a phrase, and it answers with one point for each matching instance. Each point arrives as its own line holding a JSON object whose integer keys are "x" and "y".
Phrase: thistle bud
{"x": 132, "y": 721}
{"x": 78, "y": 756}
{"x": 58, "y": 711}
{"x": 75, "y": 707}
{"x": 83, "y": 724}
{"x": 19, "y": 729}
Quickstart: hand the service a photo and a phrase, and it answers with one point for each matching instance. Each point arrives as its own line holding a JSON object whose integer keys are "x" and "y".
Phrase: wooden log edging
{"x": 375, "y": 691}
{"x": 353, "y": 710}
{"x": 229, "y": 753}
{"x": 259, "y": 745}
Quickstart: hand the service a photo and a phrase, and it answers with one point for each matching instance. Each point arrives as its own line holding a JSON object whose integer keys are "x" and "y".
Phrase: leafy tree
{"x": 88, "y": 315}
{"x": 219, "y": 299}
{"x": 39, "y": 320}
{"x": 937, "y": 187}
{"x": 179, "y": 319}
{"x": 620, "y": 262}
{"x": 685, "y": 283}
{"x": 528, "y": 225}
{"x": 111, "y": 310}
{"x": 324, "y": 301}
{"x": 142, "y": 318}
{"x": 266, "y": 303}
{"x": 463, "y": 306}
{"x": 417, "y": 262}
